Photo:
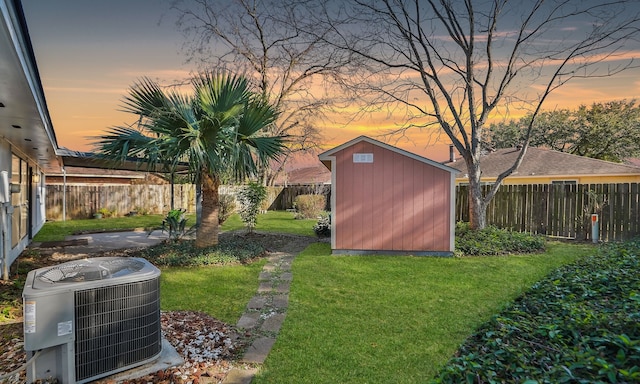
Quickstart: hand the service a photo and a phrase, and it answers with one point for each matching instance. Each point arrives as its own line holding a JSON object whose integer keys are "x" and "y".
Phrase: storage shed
{"x": 389, "y": 201}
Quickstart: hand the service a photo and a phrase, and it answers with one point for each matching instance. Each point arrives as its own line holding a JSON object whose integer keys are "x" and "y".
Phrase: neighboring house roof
{"x": 325, "y": 157}
{"x": 544, "y": 162}
{"x": 24, "y": 117}
{"x": 634, "y": 161}
{"x": 316, "y": 174}
{"x": 100, "y": 175}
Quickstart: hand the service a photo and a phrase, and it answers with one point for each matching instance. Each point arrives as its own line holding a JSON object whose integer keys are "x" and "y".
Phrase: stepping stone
{"x": 265, "y": 276}
{"x": 287, "y": 259}
{"x": 248, "y": 320}
{"x": 257, "y": 302}
{"x": 283, "y": 287}
{"x": 269, "y": 267}
{"x": 281, "y": 301}
{"x": 285, "y": 266}
{"x": 259, "y": 350}
{"x": 286, "y": 276}
{"x": 273, "y": 323}
{"x": 239, "y": 376}
{"x": 265, "y": 287}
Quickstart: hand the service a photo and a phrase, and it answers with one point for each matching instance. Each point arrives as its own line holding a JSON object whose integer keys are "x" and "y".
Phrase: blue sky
{"x": 89, "y": 52}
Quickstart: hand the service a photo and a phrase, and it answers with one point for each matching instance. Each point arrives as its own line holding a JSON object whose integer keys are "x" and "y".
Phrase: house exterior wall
{"x": 395, "y": 203}
{"x": 22, "y": 216}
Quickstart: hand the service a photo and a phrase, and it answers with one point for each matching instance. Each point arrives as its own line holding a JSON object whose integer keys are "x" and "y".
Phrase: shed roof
{"x": 325, "y": 157}
{"x": 545, "y": 162}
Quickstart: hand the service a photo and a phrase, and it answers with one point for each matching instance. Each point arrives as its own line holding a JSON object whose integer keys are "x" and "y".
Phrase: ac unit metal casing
{"x": 91, "y": 318}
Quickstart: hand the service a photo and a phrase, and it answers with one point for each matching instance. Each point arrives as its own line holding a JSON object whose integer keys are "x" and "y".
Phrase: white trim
{"x": 20, "y": 43}
{"x": 334, "y": 211}
{"x": 452, "y": 213}
{"x": 327, "y": 155}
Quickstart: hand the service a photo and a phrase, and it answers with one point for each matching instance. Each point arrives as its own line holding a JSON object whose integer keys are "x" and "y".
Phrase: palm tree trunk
{"x": 207, "y": 232}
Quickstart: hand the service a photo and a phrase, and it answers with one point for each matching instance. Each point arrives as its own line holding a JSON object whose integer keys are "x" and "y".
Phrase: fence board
{"x": 562, "y": 210}
{"x": 82, "y": 201}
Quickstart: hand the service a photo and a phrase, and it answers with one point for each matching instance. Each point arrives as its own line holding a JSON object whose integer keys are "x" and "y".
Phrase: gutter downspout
{"x": 5, "y": 201}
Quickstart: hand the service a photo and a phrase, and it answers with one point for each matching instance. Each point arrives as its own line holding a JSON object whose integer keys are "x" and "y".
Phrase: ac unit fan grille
{"x": 116, "y": 326}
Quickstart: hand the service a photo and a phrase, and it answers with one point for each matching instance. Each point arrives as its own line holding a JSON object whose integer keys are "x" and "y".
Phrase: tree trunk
{"x": 477, "y": 206}
{"x": 207, "y": 232}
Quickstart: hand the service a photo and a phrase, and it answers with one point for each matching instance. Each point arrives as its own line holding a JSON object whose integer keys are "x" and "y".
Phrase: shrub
{"x": 323, "y": 227}
{"x": 227, "y": 204}
{"x": 250, "y": 198}
{"x": 106, "y": 212}
{"x": 309, "y": 206}
{"x": 175, "y": 223}
{"x": 578, "y": 325}
{"x": 230, "y": 249}
{"x": 495, "y": 241}
{"x": 140, "y": 210}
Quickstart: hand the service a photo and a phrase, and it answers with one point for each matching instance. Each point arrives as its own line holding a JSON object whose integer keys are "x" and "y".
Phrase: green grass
{"x": 381, "y": 319}
{"x": 272, "y": 221}
{"x": 221, "y": 291}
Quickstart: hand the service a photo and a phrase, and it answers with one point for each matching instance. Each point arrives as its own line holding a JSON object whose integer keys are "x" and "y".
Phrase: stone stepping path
{"x": 264, "y": 315}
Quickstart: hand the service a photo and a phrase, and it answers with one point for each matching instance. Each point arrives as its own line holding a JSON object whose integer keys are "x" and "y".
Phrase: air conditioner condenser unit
{"x": 87, "y": 319}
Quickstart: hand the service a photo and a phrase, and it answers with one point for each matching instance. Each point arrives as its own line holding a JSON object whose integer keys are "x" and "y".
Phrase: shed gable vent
{"x": 363, "y": 157}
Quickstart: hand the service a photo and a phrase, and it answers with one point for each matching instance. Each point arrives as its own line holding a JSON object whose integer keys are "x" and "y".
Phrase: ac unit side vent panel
{"x": 116, "y": 326}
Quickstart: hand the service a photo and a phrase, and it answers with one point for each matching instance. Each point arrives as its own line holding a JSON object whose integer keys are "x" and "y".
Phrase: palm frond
{"x": 217, "y": 130}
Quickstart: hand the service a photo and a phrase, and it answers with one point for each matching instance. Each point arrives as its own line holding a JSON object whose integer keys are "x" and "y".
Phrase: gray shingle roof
{"x": 544, "y": 162}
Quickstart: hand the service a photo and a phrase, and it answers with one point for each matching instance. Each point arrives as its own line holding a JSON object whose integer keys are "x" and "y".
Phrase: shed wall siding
{"x": 395, "y": 203}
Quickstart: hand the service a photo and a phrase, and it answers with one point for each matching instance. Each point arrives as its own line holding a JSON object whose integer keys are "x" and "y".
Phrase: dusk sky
{"x": 90, "y": 52}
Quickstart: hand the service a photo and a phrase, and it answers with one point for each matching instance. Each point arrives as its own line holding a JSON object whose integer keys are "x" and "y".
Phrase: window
{"x": 19, "y": 200}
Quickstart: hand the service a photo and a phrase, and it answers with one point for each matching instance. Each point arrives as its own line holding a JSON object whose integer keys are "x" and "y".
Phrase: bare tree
{"x": 455, "y": 64}
{"x": 275, "y": 43}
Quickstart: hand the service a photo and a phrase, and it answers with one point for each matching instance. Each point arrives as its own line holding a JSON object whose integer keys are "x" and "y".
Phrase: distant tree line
{"x": 606, "y": 131}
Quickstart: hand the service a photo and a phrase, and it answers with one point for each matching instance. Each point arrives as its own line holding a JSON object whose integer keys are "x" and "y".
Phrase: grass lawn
{"x": 382, "y": 319}
{"x": 221, "y": 291}
{"x": 272, "y": 221}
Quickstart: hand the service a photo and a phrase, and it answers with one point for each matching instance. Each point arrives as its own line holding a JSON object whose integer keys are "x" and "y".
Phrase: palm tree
{"x": 216, "y": 131}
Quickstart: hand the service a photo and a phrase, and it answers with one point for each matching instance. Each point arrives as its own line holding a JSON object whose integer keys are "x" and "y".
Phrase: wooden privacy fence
{"x": 282, "y": 198}
{"x": 562, "y": 210}
{"x": 82, "y": 201}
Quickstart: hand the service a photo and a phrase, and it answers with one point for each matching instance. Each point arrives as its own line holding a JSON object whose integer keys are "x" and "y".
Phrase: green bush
{"x": 495, "y": 241}
{"x": 323, "y": 227}
{"x": 227, "y": 206}
{"x": 309, "y": 206}
{"x": 230, "y": 249}
{"x": 251, "y": 196}
{"x": 578, "y": 325}
{"x": 175, "y": 223}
